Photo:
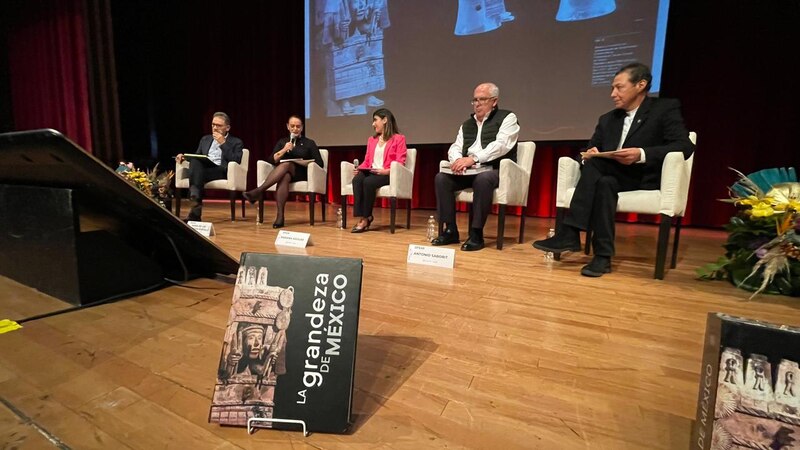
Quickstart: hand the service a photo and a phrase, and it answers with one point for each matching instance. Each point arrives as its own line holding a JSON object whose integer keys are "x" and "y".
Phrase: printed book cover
{"x": 749, "y": 396}
{"x": 290, "y": 343}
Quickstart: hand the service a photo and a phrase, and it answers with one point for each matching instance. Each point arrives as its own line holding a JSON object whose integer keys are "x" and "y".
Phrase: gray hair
{"x": 224, "y": 116}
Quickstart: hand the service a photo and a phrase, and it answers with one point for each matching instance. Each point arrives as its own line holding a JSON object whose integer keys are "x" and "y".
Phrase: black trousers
{"x": 365, "y": 186}
{"x": 483, "y": 186}
{"x": 594, "y": 204}
{"x": 199, "y": 175}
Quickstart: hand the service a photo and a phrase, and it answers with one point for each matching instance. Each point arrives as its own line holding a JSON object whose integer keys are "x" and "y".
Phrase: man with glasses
{"x": 489, "y": 135}
{"x": 221, "y": 148}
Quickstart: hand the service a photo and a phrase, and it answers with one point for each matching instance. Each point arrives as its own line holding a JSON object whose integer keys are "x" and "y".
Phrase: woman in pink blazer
{"x": 386, "y": 146}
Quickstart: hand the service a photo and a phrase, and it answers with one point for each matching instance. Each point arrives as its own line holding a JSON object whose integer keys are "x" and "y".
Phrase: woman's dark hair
{"x": 390, "y": 129}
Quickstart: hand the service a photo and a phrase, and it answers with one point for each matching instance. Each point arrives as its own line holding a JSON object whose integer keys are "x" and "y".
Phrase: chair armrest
{"x": 443, "y": 163}
{"x": 317, "y": 179}
{"x": 182, "y": 174}
{"x": 347, "y": 178}
{"x": 401, "y": 180}
{"x": 237, "y": 176}
{"x": 569, "y": 172}
{"x": 263, "y": 170}
{"x": 674, "y": 184}
{"x": 513, "y": 186}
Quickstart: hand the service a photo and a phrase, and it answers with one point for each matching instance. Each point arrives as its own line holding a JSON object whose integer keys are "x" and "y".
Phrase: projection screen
{"x": 553, "y": 61}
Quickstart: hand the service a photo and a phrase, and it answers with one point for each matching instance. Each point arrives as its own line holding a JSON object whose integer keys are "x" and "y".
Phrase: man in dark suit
{"x": 221, "y": 148}
{"x": 642, "y": 130}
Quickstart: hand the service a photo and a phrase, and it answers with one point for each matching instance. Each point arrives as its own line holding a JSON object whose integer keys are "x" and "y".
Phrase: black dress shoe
{"x": 598, "y": 266}
{"x": 472, "y": 244}
{"x": 446, "y": 238}
{"x": 565, "y": 242}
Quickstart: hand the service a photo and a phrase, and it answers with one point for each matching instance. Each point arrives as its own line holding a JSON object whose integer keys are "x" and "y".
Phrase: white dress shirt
{"x": 503, "y": 143}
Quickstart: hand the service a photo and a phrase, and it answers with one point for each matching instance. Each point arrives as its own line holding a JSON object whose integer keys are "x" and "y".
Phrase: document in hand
{"x": 300, "y": 161}
{"x": 202, "y": 158}
{"x": 600, "y": 155}
{"x": 474, "y": 170}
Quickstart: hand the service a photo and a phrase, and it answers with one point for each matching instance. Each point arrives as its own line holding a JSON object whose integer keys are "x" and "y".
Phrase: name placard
{"x": 293, "y": 239}
{"x": 431, "y": 256}
{"x": 204, "y": 228}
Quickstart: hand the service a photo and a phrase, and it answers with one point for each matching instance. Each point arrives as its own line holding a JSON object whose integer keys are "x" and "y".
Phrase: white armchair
{"x": 515, "y": 177}
{"x": 669, "y": 201}
{"x": 317, "y": 184}
{"x": 401, "y": 184}
{"x": 235, "y": 182}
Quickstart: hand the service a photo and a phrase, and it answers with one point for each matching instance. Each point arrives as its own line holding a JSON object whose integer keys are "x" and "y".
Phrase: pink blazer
{"x": 395, "y": 150}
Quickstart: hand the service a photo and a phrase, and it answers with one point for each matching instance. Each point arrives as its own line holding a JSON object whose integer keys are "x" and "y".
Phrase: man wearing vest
{"x": 488, "y": 136}
{"x": 642, "y": 130}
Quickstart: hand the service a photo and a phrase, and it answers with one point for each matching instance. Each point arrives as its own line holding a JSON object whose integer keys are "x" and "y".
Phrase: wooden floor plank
{"x": 503, "y": 351}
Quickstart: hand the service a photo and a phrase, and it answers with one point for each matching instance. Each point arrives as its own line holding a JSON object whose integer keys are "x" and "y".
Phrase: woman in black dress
{"x": 296, "y": 146}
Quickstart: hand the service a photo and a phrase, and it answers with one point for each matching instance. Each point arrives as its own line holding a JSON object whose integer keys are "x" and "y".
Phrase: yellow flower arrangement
{"x": 763, "y": 246}
{"x": 155, "y": 185}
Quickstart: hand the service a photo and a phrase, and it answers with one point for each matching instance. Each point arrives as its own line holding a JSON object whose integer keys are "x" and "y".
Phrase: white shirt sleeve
{"x": 643, "y": 157}
{"x": 455, "y": 149}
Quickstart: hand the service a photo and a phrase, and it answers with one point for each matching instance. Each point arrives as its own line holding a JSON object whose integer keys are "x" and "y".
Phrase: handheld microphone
{"x": 355, "y": 163}
{"x": 292, "y": 139}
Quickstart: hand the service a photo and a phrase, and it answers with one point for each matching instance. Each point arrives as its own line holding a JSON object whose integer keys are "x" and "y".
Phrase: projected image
{"x": 555, "y": 60}
{"x": 571, "y": 10}
{"x": 481, "y": 16}
{"x": 350, "y": 36}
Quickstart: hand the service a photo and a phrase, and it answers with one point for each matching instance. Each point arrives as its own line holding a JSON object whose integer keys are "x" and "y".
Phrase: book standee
{"x": 749, "y": 395}
{"x": 288, "y": 356}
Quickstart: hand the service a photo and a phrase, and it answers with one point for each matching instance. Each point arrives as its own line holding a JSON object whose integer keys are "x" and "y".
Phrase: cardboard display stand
{"x": 749, "y": 394}
{"x": 290, "y": 344}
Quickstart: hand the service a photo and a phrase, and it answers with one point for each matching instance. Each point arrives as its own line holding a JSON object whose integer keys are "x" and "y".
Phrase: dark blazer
{"x": 304, "y": 148}
{"x": 231, "y": 149}
{"x": 657, "y": 128}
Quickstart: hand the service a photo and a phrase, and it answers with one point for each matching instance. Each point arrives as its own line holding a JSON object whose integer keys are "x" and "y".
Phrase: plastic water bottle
{"x": 339, "y": 218}
{"x": 548, "y": 256}
{"x": 431, "y": 232}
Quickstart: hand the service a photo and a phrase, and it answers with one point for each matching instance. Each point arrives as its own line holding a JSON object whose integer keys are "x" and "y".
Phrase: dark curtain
{"x": 48, "y": 68}
{"x": 729, "y": 64}
{"x": 103, "y": 101}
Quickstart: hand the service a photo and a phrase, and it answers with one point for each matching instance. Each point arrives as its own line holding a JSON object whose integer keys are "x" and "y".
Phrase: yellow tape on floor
{"x": 8, "y": 325}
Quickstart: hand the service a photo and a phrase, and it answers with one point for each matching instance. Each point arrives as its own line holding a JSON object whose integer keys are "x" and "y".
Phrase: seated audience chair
{"x": 515, "y": 177}
{"x": 668, "y": 202}
{"x": 317, "y": 184}
{"x": 235, "y": 182}
{"x": 401, "y": 183}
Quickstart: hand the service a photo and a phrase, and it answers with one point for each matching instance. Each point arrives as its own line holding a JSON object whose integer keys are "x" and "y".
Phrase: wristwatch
{"x": 475, "y": 158}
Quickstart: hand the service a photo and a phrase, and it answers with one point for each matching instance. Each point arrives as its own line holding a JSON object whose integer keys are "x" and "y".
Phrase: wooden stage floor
{"x": 501, "y": 352}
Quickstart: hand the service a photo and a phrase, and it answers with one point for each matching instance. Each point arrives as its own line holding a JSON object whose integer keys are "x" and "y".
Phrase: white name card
{"x": 204, "y": 228}
{"x": 431, "y": 256}
{"x": 293, "y": 239}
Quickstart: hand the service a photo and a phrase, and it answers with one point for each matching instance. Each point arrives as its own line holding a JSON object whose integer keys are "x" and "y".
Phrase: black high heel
{"x": 356, "y": 229}
{"x": 249, "y": 197}
{"x": 277, "y": 224}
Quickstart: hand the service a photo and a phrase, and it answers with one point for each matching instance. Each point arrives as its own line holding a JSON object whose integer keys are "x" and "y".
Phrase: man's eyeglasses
{"x": 481, "y": 100}
{"x": 217, "y": 125}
